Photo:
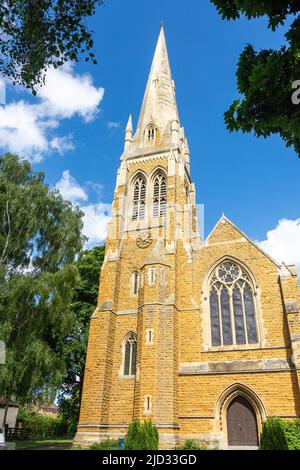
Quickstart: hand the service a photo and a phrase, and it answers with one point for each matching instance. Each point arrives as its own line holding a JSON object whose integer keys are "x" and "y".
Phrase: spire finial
{"x": 128, "y": 134}
{"x": 159, "y": 100}
{"x": 129, "y": 124}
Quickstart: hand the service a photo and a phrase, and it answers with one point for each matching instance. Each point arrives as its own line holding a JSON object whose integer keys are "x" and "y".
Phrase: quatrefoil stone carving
{"x": 144, "y": 240}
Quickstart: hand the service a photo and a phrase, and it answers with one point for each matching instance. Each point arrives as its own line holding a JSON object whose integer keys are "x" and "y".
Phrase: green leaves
{"x": 142, "y": 436}
{"x": 272, "y": 436}
{"x": 74, "y": 349}
{"x": 276, "y": 11}
{"x": 265, "y": 78}
{"x": 42, "y": 33}
{"x": 38, "y": 229}
{"x": 280, "y": 434}
{"x": 40, "y": 239}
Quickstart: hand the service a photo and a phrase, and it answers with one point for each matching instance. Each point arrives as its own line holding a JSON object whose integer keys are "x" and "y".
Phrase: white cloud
{"x": 113, "y": 125}
{"x": 70, "y": 189}
{"x": 95, "y": 220}
{"x": 96, "y": 216}
{"x": 62, "y": 144}
{"x": 27, "y": 129}
{"x": 66, "y": 94}
{"x": 21, "y": 132}
{"x": 95, "y": 187}
{"x": 283, "y": 242}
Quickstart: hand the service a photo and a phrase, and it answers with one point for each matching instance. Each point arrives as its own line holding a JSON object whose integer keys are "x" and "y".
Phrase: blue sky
{"x": 254, "y": 181}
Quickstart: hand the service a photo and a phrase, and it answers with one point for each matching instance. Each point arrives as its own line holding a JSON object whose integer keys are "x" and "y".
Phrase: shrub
{"x": 292, "y": 434}
{"x": 141, "y": 436}
{"x": 41, "y": 427}
{"x": 132, "y": 434}
{"x": 109, "y": 444}
{"x": 273, "y": 435}
{"x": 191, "y": 445}
{"x": 151, "y": 435}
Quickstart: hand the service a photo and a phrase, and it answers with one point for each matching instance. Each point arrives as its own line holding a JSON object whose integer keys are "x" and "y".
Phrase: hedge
{"x": 42, "y": 427}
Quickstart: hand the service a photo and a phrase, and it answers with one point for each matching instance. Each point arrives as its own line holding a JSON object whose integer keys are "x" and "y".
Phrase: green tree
{"x": 82, "y": 307}
{"x": 40, "y": 238}
{"x": 36, "y": 34}
{"x": 265, "y": 78}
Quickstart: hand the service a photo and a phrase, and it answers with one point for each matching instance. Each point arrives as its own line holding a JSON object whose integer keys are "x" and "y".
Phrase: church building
{"x": 201, "y": 336}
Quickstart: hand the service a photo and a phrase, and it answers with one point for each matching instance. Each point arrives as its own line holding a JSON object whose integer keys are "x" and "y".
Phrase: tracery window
{"x": 129, "y": 367}
{"x": 233, "y": 316}
{"x": 159, "y": 195}
{"x": 139, "y": 198}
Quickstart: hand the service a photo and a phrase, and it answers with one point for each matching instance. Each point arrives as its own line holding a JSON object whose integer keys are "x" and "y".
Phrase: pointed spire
{"x": 128, "y": 134}
{"x": 129, "y": 124}
{"x": 159, "y": 102}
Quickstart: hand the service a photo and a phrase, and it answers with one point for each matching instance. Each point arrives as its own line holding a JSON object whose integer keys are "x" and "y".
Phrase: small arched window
{"x": 129, "y": 366}
{"x": 135, "y": 282}
{"x": 159, "y": 195}
{"x": 139, "y": 198}
{"x": 151, "y": 133}
{"x": 233, "y": 316}
{"x": 187, "y": 193}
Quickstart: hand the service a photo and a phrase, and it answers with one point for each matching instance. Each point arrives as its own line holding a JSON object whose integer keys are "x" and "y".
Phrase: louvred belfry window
{"x": 159, "y": 196}
{"x": 233, "y": 316}
{"x": 139, "y": 199}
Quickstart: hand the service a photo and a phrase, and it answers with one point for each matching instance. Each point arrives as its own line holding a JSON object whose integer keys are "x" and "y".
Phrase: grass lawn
{"x": 46, "y": 443}
{"x": 63, "y": 443}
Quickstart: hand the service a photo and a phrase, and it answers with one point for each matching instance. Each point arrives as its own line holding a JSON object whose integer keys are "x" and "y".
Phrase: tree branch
{"x": 5, "y": 249}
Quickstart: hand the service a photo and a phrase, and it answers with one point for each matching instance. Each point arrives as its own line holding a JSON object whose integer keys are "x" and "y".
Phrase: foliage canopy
{"x": 265, "y": 78}
{"x": 82, "y": 307}
{"x": 40, "y": 239}
{"x": 36, "y": 34}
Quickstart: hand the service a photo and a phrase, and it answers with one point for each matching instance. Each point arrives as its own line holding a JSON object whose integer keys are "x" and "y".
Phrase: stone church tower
{"x": 203, "y": 337}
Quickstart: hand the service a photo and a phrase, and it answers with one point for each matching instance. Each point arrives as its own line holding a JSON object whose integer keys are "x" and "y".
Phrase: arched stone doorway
{"x": 242, "y": 403}
{"x": 241, "y": 423}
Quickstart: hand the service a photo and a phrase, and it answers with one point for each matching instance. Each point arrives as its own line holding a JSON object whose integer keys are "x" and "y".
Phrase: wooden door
{"x": 241, "y": 423}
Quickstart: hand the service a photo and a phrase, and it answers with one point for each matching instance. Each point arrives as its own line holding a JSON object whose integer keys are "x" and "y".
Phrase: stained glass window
{"x": 238, "y": 316}
{"x": 226, "y": 320}
{"x": 232, "y": 306}
{"x": 250, "y": 315}
{"x": 215, "y": 319}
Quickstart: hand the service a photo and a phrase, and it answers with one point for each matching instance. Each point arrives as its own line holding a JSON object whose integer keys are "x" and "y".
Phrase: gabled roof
{"x": 224, "y": 218}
